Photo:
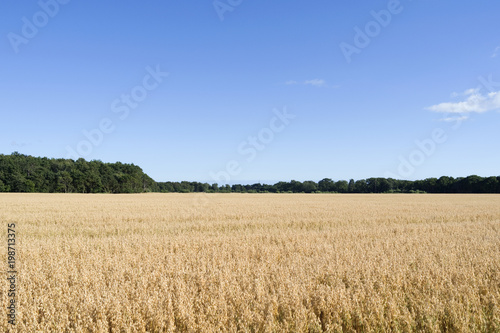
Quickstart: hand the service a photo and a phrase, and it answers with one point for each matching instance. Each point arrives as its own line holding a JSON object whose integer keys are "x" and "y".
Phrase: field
{"x": 254, "y": 263}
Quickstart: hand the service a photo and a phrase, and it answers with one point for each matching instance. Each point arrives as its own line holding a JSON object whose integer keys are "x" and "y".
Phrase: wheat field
{"x": 254, "y": 263}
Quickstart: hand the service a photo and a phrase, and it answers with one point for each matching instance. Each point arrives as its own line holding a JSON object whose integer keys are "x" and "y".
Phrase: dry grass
{"x": 255, "y": 263}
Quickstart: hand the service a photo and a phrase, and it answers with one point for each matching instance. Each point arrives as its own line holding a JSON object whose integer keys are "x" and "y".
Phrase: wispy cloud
{"x": 454, "y": 119}
{"x": 474, "y": 102}
{"x": 471, "y": 91}
{"x": 18, "y": 144}
{"x": 314, "y": 82}
{"x": 496, "y": 52}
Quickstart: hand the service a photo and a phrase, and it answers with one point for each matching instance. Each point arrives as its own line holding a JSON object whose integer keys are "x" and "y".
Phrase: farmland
{"x": 254, "y": 262}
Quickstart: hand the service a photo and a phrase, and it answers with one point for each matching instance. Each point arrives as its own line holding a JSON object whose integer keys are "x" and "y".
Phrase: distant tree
{"x": 471, "y": 184}
{"x": 384, "y": 185}
{"x": 489, "y": 185}
{"x": 166, "y": 187}
{"x": 257, "y": 187}
{"x": 326, "y": 185}
{"x": 296, "y": 186}
{"x": 64, "y": 181}
{"x": 270, "y": 188}
{"x": 283, "y": 186}
{"x": 444, "y": 184}
{"x": 350, "y": 187}
{"x": 429, "y": 185}
{"x": 3, "y": 188}
{"x": 372, "y": 185}
{"x": 309, "y": 186}
{"x": 21, "y": 173}
{"x": 342, "y": 186}
{"x": 237, "y": 188}
{"x": 360, "y": 186}
{"x": 29, "y": 186}
{"x": 201, "y": 187}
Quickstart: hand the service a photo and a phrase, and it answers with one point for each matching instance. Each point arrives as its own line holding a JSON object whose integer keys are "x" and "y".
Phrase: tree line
{"x": 21, "y": 173}
{"x": 470, "y": 184}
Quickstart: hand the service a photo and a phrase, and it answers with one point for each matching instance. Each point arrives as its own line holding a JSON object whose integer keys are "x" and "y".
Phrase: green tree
{"x": 326, "y": 185}
{"x": 342, "y": 186}
{"x": 64, "y": 182}
{"x": 309, "y": 186}
{"x": 350, "y": 187}
{"x": 489, "y": 185}
{"x": 444, "y": 184}
{"x": 360, "y": 186}
{"x": 3, "y": 188}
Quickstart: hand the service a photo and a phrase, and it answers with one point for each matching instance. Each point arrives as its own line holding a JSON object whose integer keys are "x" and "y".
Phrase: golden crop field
{"x": 254, "y": 263}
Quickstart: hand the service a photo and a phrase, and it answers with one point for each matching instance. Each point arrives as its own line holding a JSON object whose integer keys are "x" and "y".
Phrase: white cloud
{"x": 475, "y": 102}
{"x": 315, "y": 82}
{"x": 496, "y": 52}
{"x": 471, "y": 91}
{"x": 465, "y": 93}
{"x": 454, "y": 119}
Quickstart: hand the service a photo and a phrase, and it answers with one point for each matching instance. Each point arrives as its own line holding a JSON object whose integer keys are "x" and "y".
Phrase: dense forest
{"x": 21, "y": 173}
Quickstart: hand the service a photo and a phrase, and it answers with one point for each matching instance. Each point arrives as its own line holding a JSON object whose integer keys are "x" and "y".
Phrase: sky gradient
{"x": 256, "y": 90}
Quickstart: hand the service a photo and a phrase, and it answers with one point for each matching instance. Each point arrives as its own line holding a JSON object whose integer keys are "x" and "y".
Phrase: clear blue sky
{"x": 360, "y": 101}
